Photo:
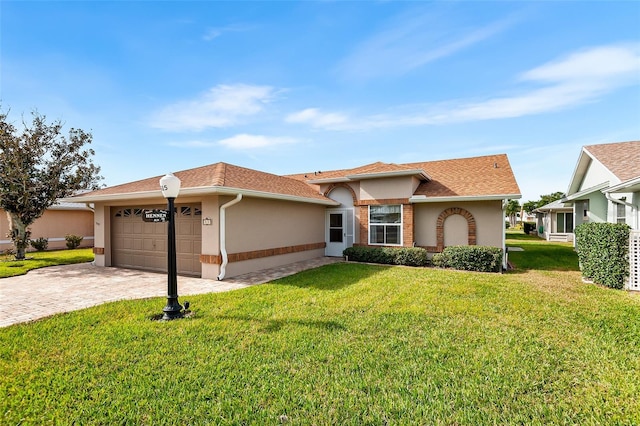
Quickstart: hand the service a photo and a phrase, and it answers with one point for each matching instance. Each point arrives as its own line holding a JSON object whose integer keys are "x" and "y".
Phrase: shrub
{"x": 40, "y": 244}
{"x": 470, "y": 258}
{"x": 603, "y": 252}
{"x": 73, "y": 241}
{"x": 529, "y": 227}
{"x": 410, "y": 256}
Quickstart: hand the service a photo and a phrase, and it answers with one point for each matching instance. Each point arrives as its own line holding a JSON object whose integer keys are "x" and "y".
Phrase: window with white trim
{"x": 385, "y": 225}
{"x": 621, "y": 213}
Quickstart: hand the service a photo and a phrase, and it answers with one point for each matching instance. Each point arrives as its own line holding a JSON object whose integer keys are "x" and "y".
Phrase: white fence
{"x": 634, "y": 261}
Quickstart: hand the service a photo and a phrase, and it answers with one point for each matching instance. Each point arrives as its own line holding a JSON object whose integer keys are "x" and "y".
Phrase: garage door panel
{"x": 143, "y": 245}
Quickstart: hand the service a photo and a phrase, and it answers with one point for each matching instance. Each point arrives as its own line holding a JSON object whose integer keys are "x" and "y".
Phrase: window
{"x": 385, "y": 225}
{"x": 564, "y": 222}
{"x": 621, "y": 213}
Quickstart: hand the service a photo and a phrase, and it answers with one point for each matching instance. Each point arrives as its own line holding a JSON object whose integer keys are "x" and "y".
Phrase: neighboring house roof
{"x": 621, "y": 159}
{"x": 553, "y": 206}
{"x": 69, "y": 206}
{"x": 488, "y": 177}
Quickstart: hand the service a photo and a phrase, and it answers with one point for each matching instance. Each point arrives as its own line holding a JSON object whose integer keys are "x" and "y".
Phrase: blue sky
{"x": 290, "y": 87}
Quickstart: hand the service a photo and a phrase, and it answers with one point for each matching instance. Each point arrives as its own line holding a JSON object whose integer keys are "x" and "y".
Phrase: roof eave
{"x": 203, "y": 190}
{"x": 396, "y": 173}
{"x": 631, "y": 185}
{"x": 584, "y": 192}
{"x": 494, "y": 197}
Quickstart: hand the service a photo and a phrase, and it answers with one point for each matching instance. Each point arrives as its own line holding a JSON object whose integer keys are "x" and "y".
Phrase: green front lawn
{"x": 538, "y": 254}
{"x": 343, "y": 344}
{"x": 10, "y": 267}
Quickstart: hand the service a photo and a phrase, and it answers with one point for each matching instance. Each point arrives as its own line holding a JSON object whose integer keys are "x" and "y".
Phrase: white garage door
{"x": 143, "y": 245}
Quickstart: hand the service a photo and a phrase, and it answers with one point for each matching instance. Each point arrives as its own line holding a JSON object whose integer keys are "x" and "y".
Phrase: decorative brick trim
{"x": 384, "y": 201}
{"x": 98, "y": 250}
{"x": 211, "y": 259}
{"x": 450, "y": 212}
{"x": 257, "y": 254}
{"x": 342, "y": 185}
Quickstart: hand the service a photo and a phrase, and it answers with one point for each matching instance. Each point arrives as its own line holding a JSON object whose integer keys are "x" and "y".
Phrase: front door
{"x": 336, "y": 233}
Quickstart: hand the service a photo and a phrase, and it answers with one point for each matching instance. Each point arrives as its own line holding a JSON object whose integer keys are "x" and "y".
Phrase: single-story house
{"x": 605, "y": 186}
{"x": 555, "y": 221}
{"x": 232, "y": 220}
{"x": 59, "y": 220}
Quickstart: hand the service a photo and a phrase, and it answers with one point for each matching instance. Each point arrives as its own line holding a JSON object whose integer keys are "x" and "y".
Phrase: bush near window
{"x": 40, "y": 244}
{"x": 73, "y": 241}
{"x": 470, "y": 258}
{"x": 409, "y": 256}
{"x": 603, "y": 252}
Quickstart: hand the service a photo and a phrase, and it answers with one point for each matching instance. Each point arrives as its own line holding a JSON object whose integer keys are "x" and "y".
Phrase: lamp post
{"x": 170, "y": 186}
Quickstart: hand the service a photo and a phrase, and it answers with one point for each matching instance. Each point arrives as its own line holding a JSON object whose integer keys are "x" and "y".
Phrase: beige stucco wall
{"x": 257, "y": 224}
{"x": 389, "y": 188}
{"x": 487, "y": 214}
{"x": 54, "y": 225}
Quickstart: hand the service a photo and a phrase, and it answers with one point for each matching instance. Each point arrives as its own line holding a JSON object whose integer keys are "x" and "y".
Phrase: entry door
{"x": 336, "y": 234}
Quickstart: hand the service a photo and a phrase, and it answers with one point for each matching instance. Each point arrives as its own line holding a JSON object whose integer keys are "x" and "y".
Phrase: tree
{"x": 530, "y": 206}
{"x": 38, "y": 166}
{"x": 512, "y": 210}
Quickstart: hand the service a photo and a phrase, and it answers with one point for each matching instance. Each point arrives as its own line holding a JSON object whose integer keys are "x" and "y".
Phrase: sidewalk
{"x": 48, "y": 291}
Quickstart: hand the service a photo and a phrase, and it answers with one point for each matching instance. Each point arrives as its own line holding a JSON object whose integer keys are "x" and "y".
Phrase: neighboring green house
{"x": 605, "y": 187}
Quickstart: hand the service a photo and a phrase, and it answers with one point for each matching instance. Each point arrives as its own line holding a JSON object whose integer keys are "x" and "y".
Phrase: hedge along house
{"x": 232, "y": 220}
{"x": 55, "y": 224}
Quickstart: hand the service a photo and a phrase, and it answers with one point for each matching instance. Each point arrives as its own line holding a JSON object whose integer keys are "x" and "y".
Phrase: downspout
{"x": 624, "y": 203}
{"x": 223, "y": 235}
{"x": 505, "y": 259}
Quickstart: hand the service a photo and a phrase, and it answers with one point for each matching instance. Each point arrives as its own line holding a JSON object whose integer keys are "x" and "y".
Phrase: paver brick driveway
{"x": 47, "y": 291}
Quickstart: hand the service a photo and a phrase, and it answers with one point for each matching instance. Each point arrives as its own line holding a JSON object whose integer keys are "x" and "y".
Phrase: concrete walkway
{"x": 48, "y": 291}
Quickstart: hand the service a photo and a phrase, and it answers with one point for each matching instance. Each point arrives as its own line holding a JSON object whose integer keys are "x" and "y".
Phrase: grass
{"x": 345, "y": 344}
{"x": 538, "y": 254}
{"x": 10, "y": 267}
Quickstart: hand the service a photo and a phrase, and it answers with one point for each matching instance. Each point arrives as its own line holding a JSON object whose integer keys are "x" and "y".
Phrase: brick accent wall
{"x": 364, "y": 225}
{"x": 440, "y": 226}
{"x": 407, "y": 225}
{"x": 257, "y": 254}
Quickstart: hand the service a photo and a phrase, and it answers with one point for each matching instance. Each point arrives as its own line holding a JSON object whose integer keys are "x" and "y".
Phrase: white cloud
{"x": 246, "y": 141}
{"x": 220, "y": 106}
{"x": 315, "y": 118}
{"x": 411, "y": 41}
{"x": 573, "y": 80}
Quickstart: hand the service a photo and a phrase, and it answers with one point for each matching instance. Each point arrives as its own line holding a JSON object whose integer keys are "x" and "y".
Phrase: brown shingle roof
{"x": 462, "y": 177}
{"x": 621, "y": 158}
{"x": 220, "y": 175}
{"x": 475, "y": 176}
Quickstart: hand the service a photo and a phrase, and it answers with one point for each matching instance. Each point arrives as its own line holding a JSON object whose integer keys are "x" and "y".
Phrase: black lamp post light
{"x": 170, "y": 186}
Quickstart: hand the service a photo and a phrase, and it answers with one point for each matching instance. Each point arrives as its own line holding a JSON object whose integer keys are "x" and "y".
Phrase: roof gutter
{"x": 203, "y": 190}
{"x": 425, "y": 199}
{"x": 223, "y": 235}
